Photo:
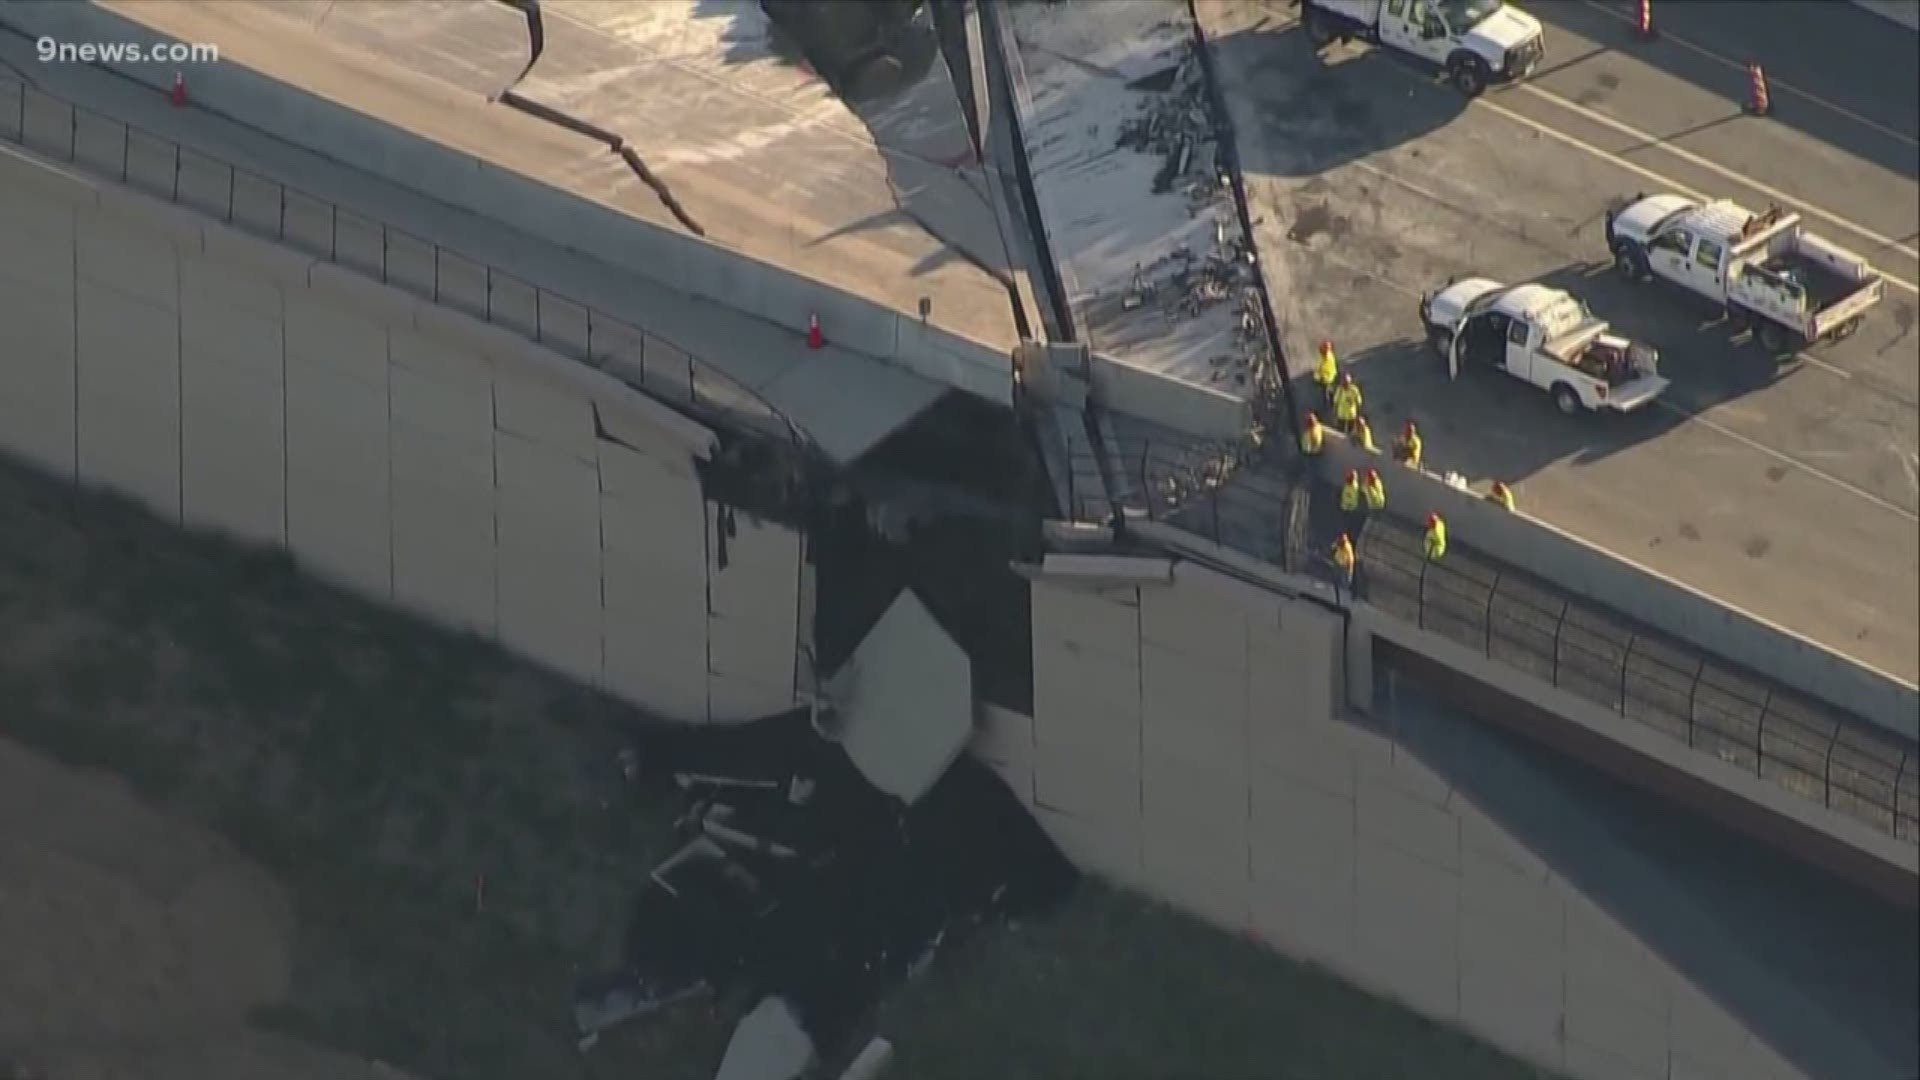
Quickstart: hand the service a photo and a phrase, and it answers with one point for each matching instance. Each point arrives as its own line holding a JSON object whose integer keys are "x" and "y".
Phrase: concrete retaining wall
{"x": 1638, "y": 593}
{"x": 399, "y": 448}
{"x": 1182, "y": 406}
{"x": 685, "y": 262}
{"x": 1185, "y": 743}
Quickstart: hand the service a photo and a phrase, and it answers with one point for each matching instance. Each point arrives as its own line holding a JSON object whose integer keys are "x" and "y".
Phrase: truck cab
{"x": 1545, "y": 337}
{"x": 1769, "y": 273}
{"x": 1475, "y": 41}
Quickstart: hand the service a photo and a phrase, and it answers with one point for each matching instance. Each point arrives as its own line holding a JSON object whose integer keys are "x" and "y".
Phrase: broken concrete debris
{"x": 768, "y": 1044}
{"x": 827, "y": 854}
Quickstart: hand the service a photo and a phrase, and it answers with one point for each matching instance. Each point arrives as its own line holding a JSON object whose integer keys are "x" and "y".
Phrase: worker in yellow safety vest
{"x": 1350, "y": 492}
{"x": 1375, "y": 490}
{"x": 1343, "y": 558}
{"x": 1363, "y": 435}
{"x": 1502, "y": 495}
{"x": 1325, "y": 371}
{"x": 1346, "y": 403}
{"x": 1406, "y": 449}
{"x": 1436, "y": 537}
{"x": 1312, "y": 436}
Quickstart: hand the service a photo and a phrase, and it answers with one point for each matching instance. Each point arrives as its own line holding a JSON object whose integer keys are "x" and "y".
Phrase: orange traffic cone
{"x": 178, "y": 95}
{"x": 815, "y": 339}
{"x": 1757, "y": 102}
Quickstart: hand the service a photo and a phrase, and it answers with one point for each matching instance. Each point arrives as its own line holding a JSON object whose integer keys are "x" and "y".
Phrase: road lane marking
{"x": 1787, "y": 459}
{"x": 1638, "y": 170}
{"x": 1772, "y": 82}
{"x": 1735, "y": 175}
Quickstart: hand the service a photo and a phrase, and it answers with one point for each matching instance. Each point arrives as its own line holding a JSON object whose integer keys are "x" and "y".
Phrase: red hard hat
{"x": 1313, "y": 418}
{"x": 1343, "y": 539}
{"x": 1372, "y": 475}
{"x": 1432, "y": 519}
{"x": 1498, "y": 486}
{"x": 1326, "y": 346}
{"x": 1409, "y": 425}
{"x": 1352, "y": 476}
{"x": 1347, "y": 377}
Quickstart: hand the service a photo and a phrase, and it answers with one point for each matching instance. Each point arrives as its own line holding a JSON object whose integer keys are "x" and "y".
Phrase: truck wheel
{"x": 1631, "y": 263}
{"x": 1469, "y": 76}
{"x": 1777, "y": 340}
{"x": 1846, "y": 329}
{"x": 1566, "y": 400}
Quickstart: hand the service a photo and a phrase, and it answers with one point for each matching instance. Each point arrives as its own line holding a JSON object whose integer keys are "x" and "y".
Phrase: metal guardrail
{"x": 252, "y": 202}
{"x": 1809, "y": 750}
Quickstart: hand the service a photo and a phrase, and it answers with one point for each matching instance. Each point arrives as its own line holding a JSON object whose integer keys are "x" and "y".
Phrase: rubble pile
{"x": 804, "y": 886}
{"x": 1176, "y": 122}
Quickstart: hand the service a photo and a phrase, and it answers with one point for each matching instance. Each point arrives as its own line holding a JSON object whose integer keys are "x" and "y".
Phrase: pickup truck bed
{"x": 1824, "y": 285}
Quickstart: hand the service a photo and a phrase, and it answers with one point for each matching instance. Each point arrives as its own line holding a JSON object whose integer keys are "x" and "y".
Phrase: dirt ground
{"x": 136, "y": 946}
{"x": 253, "y": 828}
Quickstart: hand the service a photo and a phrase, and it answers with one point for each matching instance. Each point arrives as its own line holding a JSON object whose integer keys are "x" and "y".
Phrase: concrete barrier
{"x": 687, "y": 263}
{"x": 1182, "y": 406}
{"x": 1659, "y": 602}
{"x": 1904, "y": 12}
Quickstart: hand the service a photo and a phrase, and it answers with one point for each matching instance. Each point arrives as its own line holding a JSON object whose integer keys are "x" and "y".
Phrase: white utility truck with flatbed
{"x": 1475, "y": 42}
{"x": 1542, "y": 336}
{"x": 1768, "y": 273}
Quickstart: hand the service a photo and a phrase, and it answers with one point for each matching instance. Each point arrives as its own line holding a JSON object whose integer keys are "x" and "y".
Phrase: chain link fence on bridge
{"x": 1836, "y": 761}
{"x": 253, "y": 203}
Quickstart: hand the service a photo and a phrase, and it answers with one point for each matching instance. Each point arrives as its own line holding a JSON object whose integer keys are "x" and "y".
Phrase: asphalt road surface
{"x": 1787, "y": 490}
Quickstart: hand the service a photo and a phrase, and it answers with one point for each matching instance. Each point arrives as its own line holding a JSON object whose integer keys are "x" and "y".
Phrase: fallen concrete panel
{"x": 905, "y": 701}
{"x": 769, "y": 1044}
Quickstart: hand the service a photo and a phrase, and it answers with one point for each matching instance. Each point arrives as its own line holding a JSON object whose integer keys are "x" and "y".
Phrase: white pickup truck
{"x": 1767, "y": 271}
{"x": 1475, "y": 41}
{"x": 1543, "y": 336}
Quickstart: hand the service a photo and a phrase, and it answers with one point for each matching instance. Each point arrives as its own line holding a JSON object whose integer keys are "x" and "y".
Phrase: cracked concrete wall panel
{"x": 136, "y": 262}
{"x": 233, "y": 439}
{"x": 644, "y": 478}
{"x": 1406, "y": 929}
{"x": 1191, "y": 620}
{"x": 338, "y": 507}
{"x": 211, "y": 289}
{"x": 1102, "y": 621}
{"x": 443, "y": 529}
{"x": 457, "y": 414}
{"x": 322, "y": 333}
{"x": 37, "y": 400}
{"x": 1082, "y": 699}
{"x": 1099, "y": 784}
{"x": 451, "y": 369}
{"x": 40, "y": 238}
{"x": 129, "y": 397}
{"x": 1194, "y": 711}
{"x": 1417, "y": 828}
{"x": 1298, "y": 834}
{"x": 756, "y": 603}
{"x": 534, "y": 407}
{"x": 671, "y": 558}
{"x": 549, "y": 555}
{"x": 651, "y": 661}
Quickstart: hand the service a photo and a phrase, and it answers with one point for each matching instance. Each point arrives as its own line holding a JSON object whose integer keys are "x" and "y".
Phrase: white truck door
{"x": 1453, "y": 349}
{"x": 1400, "y": 24}
{"x": 1520, "y": 349}
{"x": 1670, "y": 256}
{"x": 1704, "y": 268}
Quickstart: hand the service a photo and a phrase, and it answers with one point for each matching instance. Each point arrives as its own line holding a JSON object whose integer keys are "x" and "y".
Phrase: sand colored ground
{"x": 136, "y": 946}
